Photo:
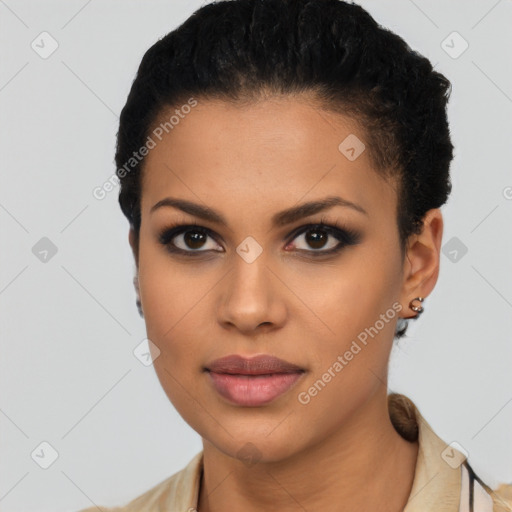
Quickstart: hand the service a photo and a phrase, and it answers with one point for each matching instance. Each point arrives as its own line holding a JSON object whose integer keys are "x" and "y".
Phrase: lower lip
{"x": 253, "y": 390}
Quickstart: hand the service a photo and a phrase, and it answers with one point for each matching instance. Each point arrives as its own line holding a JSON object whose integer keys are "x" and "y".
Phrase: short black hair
{"x": 241, "y": 50}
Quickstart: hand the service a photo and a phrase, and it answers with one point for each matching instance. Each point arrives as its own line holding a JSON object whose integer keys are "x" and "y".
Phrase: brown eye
{"x": 316, "y": 238}
{"x": 194, "y": 239}
{"x": 324, "y": 239}
{"x": 188, "y": 239}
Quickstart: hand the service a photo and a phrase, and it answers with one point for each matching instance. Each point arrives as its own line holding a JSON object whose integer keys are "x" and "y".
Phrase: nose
{"x": 251, "y": 298}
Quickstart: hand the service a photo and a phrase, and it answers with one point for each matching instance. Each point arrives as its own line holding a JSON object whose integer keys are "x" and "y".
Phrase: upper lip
{"x": 257, "y": 365}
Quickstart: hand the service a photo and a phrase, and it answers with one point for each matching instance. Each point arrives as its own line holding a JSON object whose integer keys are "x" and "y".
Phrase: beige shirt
{"x": 443, "y": 479}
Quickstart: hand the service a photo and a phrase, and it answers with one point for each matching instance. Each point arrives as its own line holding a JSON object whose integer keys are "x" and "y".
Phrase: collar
{"x": 441, "y": 481}
{"x": 437, "y": 478}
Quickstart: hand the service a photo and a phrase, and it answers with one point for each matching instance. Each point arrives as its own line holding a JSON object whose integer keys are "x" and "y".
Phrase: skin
{"x": 338, "y": 451}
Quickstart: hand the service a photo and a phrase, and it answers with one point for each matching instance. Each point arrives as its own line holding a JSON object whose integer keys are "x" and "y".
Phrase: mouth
{"x": 252, "y": 382}
{"x": 258, "y": 365}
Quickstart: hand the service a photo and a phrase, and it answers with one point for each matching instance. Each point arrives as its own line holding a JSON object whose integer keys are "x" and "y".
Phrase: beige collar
{"x": 437, "y": 478}
{"x": 439, "y": 482}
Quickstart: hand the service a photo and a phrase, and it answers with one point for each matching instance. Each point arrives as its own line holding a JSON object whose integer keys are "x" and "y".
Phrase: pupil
{"x": 318, "y": 241}
{"x": 195, "y": 240}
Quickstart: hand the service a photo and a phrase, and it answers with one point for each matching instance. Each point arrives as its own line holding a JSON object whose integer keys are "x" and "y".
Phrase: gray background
{"x": 68, "y": 375}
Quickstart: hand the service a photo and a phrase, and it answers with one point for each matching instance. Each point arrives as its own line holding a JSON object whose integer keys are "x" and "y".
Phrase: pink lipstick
{"x": 252, "y": 382}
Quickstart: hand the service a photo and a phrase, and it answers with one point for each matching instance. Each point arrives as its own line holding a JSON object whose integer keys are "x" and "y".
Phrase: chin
{"x": 251, "y": 447}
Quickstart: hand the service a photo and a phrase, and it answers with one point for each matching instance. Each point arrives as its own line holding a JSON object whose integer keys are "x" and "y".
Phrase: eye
{"x": 188, "y": 239}
{"x": 322, "y": 238}
{"x": 316, "y": 239}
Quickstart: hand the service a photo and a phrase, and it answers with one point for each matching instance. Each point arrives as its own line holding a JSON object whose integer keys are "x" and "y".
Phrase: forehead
{"x": 261, "y": 155}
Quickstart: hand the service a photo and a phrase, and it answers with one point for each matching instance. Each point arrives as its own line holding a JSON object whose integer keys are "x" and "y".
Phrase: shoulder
{"x": 502, "y": 498}
{"x": 179, "y": 488}
{"x": 411, "y": 425}
{"x": 148, "y": 501}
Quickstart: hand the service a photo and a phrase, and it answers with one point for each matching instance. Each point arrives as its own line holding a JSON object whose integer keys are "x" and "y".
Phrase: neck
{"x": 349, "y": 470}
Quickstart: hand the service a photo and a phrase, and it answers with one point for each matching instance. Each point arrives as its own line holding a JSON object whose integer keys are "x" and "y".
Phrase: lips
{"x": 258, "y": 365}
{"x": 252, "y": 382}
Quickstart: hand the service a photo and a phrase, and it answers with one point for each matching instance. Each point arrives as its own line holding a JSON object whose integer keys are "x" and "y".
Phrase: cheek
{"x": 353, "y": 303}
{"x": 171, "y": 304}
{"x": 163, "y": 286}
{"x": 350, "y": 364}
{"x": 350, "y": 293}
{"x": 167, "y": 296}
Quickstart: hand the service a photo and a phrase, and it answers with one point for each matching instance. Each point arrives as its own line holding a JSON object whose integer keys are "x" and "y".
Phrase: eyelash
{"x": 346, "y": 237}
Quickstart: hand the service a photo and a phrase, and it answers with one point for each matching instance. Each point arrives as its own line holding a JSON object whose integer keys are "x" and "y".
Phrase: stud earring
{"x": 418, "y": 309}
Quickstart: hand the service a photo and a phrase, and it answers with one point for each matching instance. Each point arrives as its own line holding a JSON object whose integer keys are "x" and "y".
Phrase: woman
{"x": 282, "y": 166}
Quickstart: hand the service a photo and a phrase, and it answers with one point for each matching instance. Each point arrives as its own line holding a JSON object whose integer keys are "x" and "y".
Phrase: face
{"x": 323, "y": 298}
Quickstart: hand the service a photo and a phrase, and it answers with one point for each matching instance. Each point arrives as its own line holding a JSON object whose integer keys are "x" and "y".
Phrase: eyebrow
{"x": 282, "y": 218}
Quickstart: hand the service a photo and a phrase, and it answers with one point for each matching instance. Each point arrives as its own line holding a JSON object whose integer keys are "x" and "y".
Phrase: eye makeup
{"x": 167, "y": 237}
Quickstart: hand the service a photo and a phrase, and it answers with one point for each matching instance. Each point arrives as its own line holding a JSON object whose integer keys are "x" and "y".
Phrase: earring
{"x": 418, "y": 309}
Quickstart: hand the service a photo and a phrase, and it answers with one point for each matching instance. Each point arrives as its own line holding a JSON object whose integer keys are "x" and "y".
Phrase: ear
{"x": 133, "y": 245}
{"x": 422, "y": 259}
